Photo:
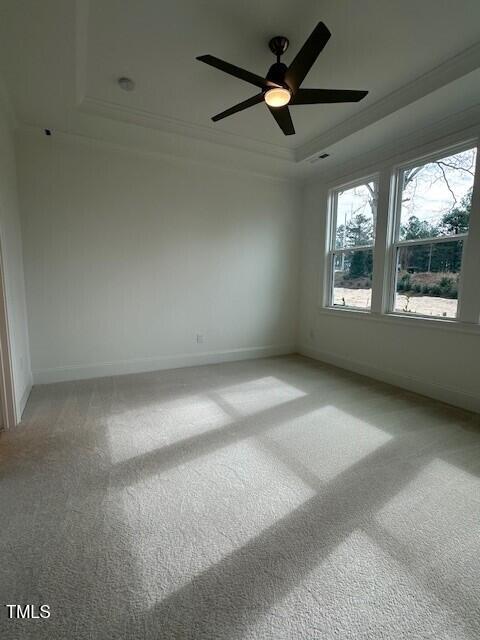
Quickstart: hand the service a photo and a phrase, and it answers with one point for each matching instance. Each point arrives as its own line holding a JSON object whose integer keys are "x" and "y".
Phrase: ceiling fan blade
{"x": 239, "y": 107}
{"x": 306, "y": 56}
{"x": 323, "y": 96}
{"x": 283, "y": 118}
{"x": 232, "y": 70}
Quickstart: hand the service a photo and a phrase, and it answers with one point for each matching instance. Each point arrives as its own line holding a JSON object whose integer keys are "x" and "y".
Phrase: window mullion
{"x": 327, "y": 294}
{"x": 469, "y": 297}
{"x": 379, "y": 289}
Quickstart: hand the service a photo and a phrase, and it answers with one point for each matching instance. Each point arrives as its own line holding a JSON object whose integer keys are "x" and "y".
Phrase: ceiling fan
{"x": 282, "y": 84}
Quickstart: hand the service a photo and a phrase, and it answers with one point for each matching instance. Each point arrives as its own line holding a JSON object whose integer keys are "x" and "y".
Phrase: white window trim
{"x": 468, "y": 315}
{"x": 470, "y": 289}
{"x": 395, "y": 215}
{"x": 331, "y": 250}
{"x": 426, "y": 322}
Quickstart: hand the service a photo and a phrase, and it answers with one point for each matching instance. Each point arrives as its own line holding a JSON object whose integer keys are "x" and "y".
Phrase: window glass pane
{"x": 427, "y": 278}
{"x": 356, "y": 215}
{"x": 436, "y": 197}
{"x": 352, "y": 279}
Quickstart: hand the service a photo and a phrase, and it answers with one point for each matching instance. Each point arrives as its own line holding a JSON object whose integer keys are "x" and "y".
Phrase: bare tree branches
{"x": 419, "y": 181}
{"x": 451, "y": 166}
{"x": 439, "y": 164}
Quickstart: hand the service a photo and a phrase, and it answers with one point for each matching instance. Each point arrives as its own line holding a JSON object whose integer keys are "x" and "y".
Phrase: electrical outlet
{"x": 199, "y": 338}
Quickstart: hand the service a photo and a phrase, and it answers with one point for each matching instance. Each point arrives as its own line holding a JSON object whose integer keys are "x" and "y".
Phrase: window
{"x": 353, "y": 216}
{"x": 433, "y": 206}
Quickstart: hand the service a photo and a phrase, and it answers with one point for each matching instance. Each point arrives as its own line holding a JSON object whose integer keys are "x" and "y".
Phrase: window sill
{"x": 443, "y": 324}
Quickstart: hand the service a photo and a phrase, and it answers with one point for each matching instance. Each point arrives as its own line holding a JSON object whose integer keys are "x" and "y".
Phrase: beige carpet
{"x": 268, "y": 499}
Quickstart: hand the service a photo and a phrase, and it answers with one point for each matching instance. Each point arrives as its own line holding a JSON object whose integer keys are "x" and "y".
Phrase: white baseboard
{"x": 141, "y": 365}
{"x": 431, "y": 389}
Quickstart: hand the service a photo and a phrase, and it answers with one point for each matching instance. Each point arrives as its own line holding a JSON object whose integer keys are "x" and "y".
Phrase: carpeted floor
{"x": 267, "y": 499}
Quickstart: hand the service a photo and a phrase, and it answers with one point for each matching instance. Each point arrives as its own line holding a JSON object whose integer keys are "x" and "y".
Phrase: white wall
{"x": 11, "y": 242}
{"x": 423, "y": 356}
{"x": 129, "y": 256}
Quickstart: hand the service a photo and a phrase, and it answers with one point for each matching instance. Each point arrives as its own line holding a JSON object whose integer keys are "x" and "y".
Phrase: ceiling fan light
{"x": 277, "y": 97}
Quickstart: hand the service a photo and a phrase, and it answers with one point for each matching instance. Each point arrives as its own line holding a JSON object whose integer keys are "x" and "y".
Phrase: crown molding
{"x": 166, "y": 124}
{"x": 445, "y": 73}
{"x": 146, "y": 118}
{"x": 158, "y": 153}
{"x": 450, "y": 70}
{"x": 442, "y": 133}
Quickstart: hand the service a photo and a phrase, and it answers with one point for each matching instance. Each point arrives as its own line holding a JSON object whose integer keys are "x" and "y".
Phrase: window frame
{"x": 394, "y": 217}
{"x": 331, "y": 249}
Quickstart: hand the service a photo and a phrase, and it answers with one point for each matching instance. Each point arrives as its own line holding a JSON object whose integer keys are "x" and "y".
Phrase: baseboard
{"x": 141, "y": 365}
{"x": 432, "y": 390}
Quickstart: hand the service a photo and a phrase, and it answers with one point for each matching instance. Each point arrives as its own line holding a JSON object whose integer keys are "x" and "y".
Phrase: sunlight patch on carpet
{"x": 436, "y": 522}
{"x": 257, "y": 395}
{"x": 358, "y": 592}
{"x": 194, "y": 515}
{"x": 327, "y": 441}
{"x": 134, "y": 433}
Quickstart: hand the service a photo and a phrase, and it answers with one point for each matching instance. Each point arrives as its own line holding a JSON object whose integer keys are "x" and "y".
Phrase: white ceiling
{"x": 60, "y": 57}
